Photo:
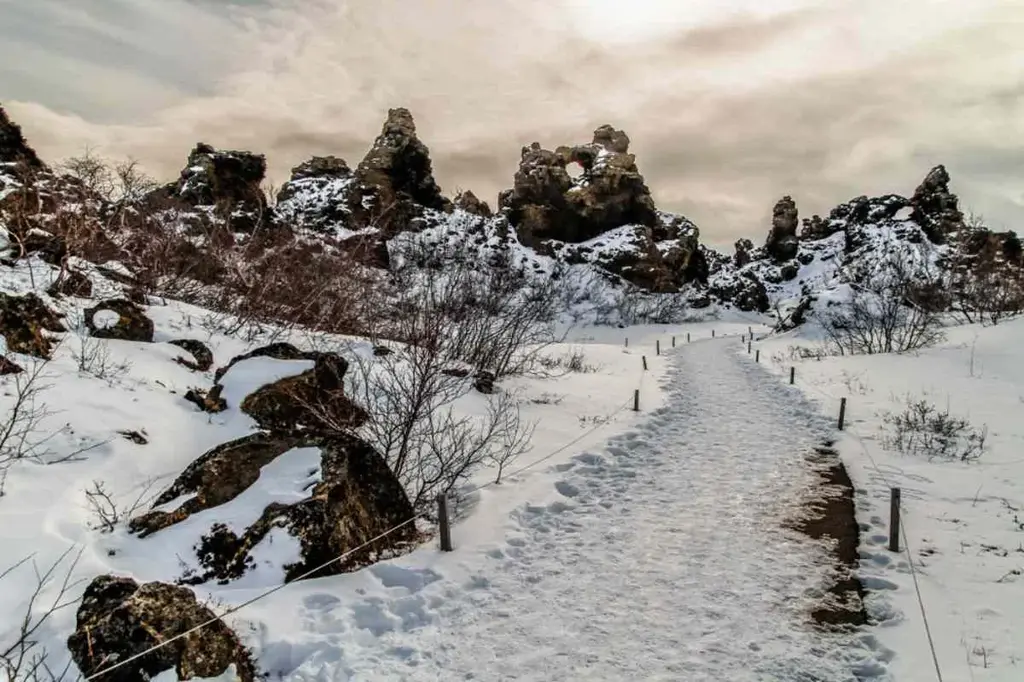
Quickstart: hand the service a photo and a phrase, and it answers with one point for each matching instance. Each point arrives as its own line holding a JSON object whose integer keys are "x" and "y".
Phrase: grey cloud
{"x": 724, "y": 117}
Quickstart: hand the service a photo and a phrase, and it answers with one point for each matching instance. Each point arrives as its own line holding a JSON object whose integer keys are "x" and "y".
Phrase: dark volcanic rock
{"x": 545, "y": 202}
{"x": 201, "y": 353}
{"x": 23, "y": 321}
{"x": 469, "y": 203}
{"x": 119, "y": 618}
{"x": 71, "y": 283}
{"x": 356, "y": 499}
{"x": 782, "y": 241}
{"x": 8, "y": 366}
{"x": 132, "y": 323}
{"x": 13, "y": 147}
{"x": 936, "y": 208}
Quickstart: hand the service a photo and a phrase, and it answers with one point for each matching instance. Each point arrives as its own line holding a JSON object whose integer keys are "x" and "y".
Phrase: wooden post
{"x": 687, "y": 337}
{"x": 444, "y": 528}
{"x": 757, "y": 355}
{"x": 627, "y": 342}
{"x": 712, "y": 333}
{"x": 842, "y": 413}
{"x": 657, "y": 347}
{"x": 750, "y": 330}
{"x": 743, "y": 338}
{"x": 792, "y": 374}
{"x": 636, "y": 400}
{"x": 894, "y": 521}
{"x": 748, "y": 346}
{"x": 673, "y": 342}
{"x": 644, "y": 358}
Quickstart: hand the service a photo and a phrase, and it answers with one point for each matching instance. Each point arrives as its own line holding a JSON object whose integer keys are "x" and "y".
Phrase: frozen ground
{"x": 963, "y": 522}
{"x": 661, "y": 555}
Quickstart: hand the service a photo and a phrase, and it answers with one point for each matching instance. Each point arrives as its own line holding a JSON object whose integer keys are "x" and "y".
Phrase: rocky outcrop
{"x": 782, "y": 242}
{"x": 14, "y": 149}
{"x": 936, "y": 208}
{"x": 131, "y": 325}
{"x": 119, "y": 618}
{"x": 354, "y": 498}
{"x": 314, "y": 400}
{"x": 468, "y": 202}
{"x": 224, "y": 184}
{"x": 318, "y": 196}
{"x": 742, "y": 256}
{"x": 545, "y": 202}
{"x": 8, "y": 366}
{"x": 24, "y": 321}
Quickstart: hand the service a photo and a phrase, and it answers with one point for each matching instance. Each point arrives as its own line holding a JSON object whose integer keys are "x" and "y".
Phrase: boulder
{"x": 207, "y": 401}
{"x": 314, "y": 400}
{"x": 200, "y": 352}
{"x": 23, "y": 323}
{"x": 8, "y": 366}
{"x": 119, "y": 618}
{"x": 277, "y": 351}
{"x": 317, "y": 197}
{"x": 356, "y": 499}
{"x": 782, "y": 242}
{"x": 132, "y": 323}
{"x": 71, "y": 283}
{"x": 743, "y": 249}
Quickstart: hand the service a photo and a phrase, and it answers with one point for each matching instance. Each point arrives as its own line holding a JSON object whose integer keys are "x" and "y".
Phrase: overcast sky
{"x": 729, "y": 103}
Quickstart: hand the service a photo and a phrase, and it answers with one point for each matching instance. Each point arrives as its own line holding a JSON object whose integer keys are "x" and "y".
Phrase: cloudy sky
{"x": 729, "y": 103}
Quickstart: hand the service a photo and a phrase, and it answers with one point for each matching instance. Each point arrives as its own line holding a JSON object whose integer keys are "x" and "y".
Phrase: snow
{"x": 961, "y": 523}
{"x": 659, "y": 554}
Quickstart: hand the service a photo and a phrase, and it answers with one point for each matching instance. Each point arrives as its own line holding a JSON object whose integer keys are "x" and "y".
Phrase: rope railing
{"x": 163, "y": 642}
{"x": 907, "y": 549}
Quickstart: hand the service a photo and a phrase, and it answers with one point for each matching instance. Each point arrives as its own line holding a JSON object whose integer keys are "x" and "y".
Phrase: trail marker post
{"x": 636, "y": 400}
{"x": 444, "y": 526}
{"x": 792, "y": 374}
{"x": 842, "y": 413}
{"x": 894, "y": 520}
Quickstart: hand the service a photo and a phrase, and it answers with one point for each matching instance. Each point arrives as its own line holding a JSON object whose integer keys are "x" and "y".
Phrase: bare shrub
{"x": 23, "y": 657}
{"x": 986, "y": 274}
{"x": 631, "y": 305}
{"x": 888, "y": 312}
{"x": 92, "y": 356}
{"x": 573, "y": 361}
{"x": 922, "y": 429}
{"x": 414, "y": 424}
{"x": 107, "y": 511}
{"x": 25, "y": 411}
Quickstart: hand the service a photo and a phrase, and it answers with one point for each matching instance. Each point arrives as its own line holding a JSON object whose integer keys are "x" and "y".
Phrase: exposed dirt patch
{"x": 831, "y": 517}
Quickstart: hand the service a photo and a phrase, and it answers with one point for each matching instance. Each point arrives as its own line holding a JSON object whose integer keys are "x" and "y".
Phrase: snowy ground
{"x": 44, "y": 511}
{"x": 659, "y": 555}
{"x": 963, "y": 522}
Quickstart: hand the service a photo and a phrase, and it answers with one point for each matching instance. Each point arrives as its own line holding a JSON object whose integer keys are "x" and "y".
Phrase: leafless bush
{"x": 107, "y": 511}
{"x": 887, "y": 313}
{"x": 986, "y": 274}
{"x": 490, "y": 315}
{"x": 23, "y": 657}
{"x": 93, "y": 357}
{"x": 25, "y": 411}
{"x": 414, "y": 423}
{"x": 573, "y": 361}
{"x": 631, "y": 305}
{"x": 923, "y": 429}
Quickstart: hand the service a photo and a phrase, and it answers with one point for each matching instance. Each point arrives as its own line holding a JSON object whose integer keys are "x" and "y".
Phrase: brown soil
{"x": 832, "y": 516}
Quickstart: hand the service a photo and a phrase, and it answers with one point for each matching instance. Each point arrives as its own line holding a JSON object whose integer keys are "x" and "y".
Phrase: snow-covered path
{"x": 661, "y": 557}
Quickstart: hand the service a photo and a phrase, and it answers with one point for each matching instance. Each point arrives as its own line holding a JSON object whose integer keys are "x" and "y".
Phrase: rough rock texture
{"x": 744, "y": 247}
{"x": 356, "y": 498}
{"x": 782, "y": 242}
{"x": 469, "y": 203}
{"x": 545, "y": 202}
{"x": 8, "y": 366}
{"x": 317, "y": 196}
{"x": 313, "y": 400}
{"x": 118, "y": 618}
{"x": 228, "y": 182}
{"x": 132, "y": 323}
{"x": 23, "y": 323}
{"x": 747, "y": 292}
{"x": 394, "y": 182}
{"x": 278, "y": 351}
{"x": 14, "y": 148}
{"x": 71, "y": 283}
{"x": 201, "y": 354}
{"x": 936, "y": 208}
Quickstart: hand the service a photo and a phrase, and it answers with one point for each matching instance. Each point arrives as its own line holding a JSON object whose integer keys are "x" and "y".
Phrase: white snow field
{"x": 661, "y": 555}
{"x": 962, "y": 522}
